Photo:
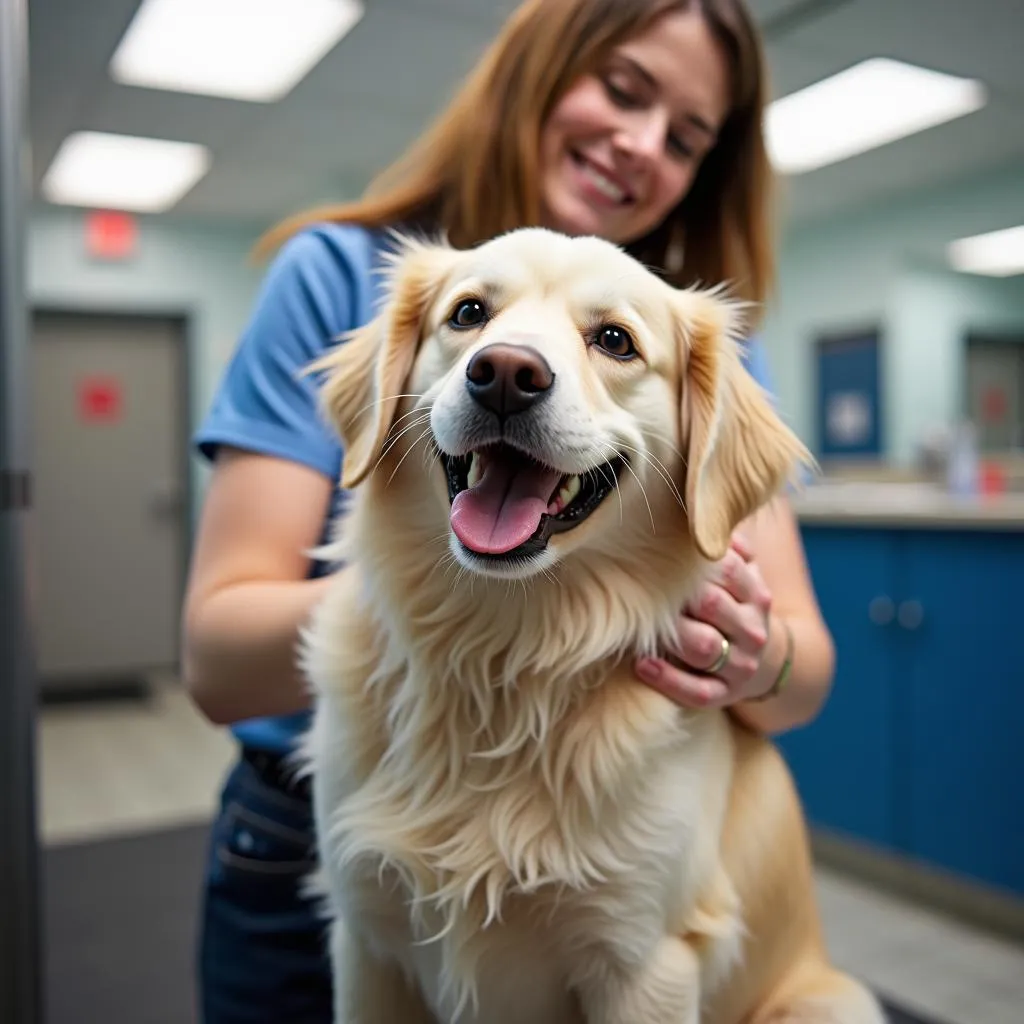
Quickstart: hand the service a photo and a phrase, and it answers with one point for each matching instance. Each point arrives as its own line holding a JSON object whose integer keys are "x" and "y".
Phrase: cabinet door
{"x": 961, "y": 728}
{"x": 843, "y": 761}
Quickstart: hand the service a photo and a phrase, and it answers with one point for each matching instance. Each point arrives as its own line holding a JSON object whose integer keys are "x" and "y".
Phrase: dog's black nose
{"x": 508, "y": 378}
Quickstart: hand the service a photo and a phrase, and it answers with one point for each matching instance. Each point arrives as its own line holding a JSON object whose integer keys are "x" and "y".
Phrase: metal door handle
{"x": 882, "y": 610}
{"x": 910, "y": 614}
{"x": 166, "y": 500}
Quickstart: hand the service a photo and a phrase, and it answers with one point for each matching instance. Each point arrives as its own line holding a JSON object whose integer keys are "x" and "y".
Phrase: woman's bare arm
{"x": 248, "y": 594}
{"x": 778, "y": 549}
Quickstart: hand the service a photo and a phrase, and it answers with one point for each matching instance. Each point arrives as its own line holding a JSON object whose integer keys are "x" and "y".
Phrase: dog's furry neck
{"x": 490, "y": 669}
{"x": 492, "y": 634}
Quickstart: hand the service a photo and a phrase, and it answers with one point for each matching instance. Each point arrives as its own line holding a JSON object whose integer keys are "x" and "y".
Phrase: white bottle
{"x": 962, "y": 468}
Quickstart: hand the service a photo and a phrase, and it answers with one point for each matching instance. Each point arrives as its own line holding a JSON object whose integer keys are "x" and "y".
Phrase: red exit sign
{"x": 100, "y": 400}
{"x": 110, "y": 235}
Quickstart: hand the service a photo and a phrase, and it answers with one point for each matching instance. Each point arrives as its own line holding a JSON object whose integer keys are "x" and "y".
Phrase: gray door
{"x": 995, "y": 392}
{"x": 108, "y": 543}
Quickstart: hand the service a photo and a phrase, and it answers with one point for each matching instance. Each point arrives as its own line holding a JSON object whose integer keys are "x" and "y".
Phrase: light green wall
{"x": 881, "y": 266}
{"x": 929, "y": 318}
{"x": 885, "y": 266}
{"x": 180, "y": 268}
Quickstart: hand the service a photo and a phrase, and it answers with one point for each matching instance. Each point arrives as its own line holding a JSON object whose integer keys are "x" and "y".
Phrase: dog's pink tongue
{"x": 503, "y": 509}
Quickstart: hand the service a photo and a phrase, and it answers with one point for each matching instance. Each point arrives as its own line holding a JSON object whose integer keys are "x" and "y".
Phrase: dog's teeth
{"x": 473, "y": 476}
{"x": 569, "y": 490}
{"x": 565, "y": 494}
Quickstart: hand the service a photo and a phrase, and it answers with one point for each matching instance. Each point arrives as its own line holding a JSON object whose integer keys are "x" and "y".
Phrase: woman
{"x": 635, "y": 120}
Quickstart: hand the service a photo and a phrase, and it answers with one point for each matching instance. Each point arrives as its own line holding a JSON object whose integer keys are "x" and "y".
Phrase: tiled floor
{"x": 923, "y": 960}
{"x": 112, "y": 767}
{"x": 115, "y": 768}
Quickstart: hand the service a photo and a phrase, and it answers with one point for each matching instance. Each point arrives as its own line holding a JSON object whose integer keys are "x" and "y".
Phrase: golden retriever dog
{"x": 549, "y": 447}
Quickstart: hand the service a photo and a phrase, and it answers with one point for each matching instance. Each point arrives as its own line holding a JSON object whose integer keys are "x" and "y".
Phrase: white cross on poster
{"x": 848, "y": 418}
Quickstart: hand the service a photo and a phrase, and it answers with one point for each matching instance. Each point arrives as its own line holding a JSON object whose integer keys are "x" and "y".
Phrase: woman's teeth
{"x": 604, "y": 185}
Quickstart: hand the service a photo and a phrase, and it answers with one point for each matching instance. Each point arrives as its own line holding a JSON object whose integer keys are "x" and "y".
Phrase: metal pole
{"x": 20, "y": 987}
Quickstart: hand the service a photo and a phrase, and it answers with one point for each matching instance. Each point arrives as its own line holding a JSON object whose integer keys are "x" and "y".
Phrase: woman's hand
{"x": 728, "y": 617}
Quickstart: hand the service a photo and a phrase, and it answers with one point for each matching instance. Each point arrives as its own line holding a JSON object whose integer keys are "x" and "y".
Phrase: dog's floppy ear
{"x": 739, "y": 454}
{"x": 365, "y": 375}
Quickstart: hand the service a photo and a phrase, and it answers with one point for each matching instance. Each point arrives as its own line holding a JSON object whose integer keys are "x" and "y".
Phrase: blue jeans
{"x": 263, "y": 955}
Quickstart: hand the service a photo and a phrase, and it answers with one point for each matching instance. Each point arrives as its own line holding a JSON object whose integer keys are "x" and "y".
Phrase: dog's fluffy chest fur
{"x": 477, "y": 832}
{"x": 512, "y": 829}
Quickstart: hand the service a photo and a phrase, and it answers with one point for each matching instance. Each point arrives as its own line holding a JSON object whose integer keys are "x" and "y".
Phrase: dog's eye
{"x": 615, "y": 341}
{"x": 468, "y": 313}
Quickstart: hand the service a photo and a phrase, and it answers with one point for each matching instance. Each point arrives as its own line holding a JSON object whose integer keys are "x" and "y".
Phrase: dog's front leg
{"x": 368, "y": 990}
{"x": 664, "y": 990}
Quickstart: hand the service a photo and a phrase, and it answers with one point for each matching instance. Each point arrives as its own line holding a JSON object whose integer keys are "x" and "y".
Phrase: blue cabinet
{"x": 920, "y": 749}
{"x": 962, "y": 726}
{"x": 843, "y": 763}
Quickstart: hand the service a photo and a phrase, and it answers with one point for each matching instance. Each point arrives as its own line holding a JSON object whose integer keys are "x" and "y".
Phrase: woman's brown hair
{"x": 474, "y": 173}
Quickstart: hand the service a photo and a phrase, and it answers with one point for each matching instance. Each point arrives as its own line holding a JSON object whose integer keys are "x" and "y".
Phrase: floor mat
{"x": 120, "y": 925}
{"x": 120, "y": 919}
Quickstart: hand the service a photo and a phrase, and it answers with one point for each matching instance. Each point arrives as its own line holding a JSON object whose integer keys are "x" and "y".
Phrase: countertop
{"x": 906, "y": 505}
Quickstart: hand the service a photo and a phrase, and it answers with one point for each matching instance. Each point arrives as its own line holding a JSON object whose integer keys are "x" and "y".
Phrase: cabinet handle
{"x": 882, "y": 611}
{"x": 910, "y": 614}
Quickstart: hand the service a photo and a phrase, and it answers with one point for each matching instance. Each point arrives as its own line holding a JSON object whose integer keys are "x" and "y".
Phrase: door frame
{"x": 185, "y": 318}
{"x": 826, "y": 338}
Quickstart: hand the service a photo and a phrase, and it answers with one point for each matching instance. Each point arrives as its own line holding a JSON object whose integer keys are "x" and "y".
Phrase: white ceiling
{"x": 373, "y": 93}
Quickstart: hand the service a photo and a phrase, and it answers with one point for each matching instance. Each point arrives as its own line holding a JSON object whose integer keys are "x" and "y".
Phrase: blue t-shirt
{"x": 321, "y": 284}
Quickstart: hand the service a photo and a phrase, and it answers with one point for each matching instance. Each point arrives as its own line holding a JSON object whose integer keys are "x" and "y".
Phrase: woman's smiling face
{"x": 622, "y": 146}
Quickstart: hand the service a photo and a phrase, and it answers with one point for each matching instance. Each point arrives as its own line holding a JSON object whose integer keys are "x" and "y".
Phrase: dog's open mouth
{"x": 506, "y": 504}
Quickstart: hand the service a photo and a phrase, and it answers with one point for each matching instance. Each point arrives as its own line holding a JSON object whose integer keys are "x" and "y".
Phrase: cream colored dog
{"x": 549, "y": 446}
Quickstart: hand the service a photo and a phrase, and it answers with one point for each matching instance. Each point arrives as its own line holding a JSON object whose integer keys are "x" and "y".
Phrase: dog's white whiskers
{"x": 659, "y": 467}
{"x": 447, "y": 560}
{"x": 412, "y": 412}
{"x": 380, "y": 401}
{"x": 392, "y": 441}
{"x": 653, "y": 460}
{"x": 548, "y": 573}
{"x": 430, "y": 453}
{"x": 412, "y": 447}
{"x": 422, "y": 416}
{"x": 614, "y": 482}
{"x": 643, "y": 490}
{"x": 665, "y": 439}
{"x": 452, "y": 570}
{"x": 393, "y": 438}
{"x": 461, "y": 572}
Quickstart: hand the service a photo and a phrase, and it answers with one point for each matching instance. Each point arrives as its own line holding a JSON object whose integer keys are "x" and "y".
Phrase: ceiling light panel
{"x": 123, "y": 172}
{"x": 255, "y": 50}
{"x": 996, "y": 253}
{"x": 866, "y": 106}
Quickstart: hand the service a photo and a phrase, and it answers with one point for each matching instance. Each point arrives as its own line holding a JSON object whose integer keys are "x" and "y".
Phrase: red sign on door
{"x": 99, "y": 400}
{"x": 994, "y": 404}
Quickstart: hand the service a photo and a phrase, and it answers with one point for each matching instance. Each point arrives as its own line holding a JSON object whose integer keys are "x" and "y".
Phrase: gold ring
{"x": 722, "y": 658}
